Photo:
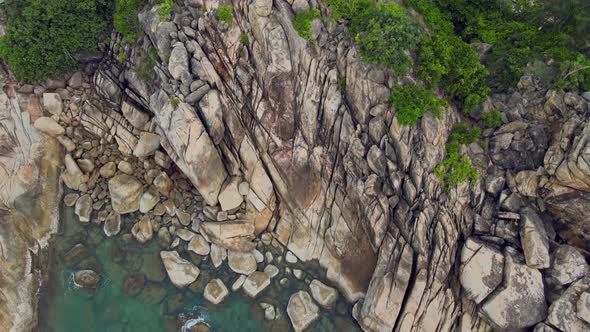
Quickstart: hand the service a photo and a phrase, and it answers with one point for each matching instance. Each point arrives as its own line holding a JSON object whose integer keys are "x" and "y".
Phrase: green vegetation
{"x": 166, "y": 8}
{"x": 456, "y": 168}
{"x": 523, "y": 32}
{"x": 146, "y": 63}
{"x": 42, "y": 35}
{"x": 175, "y": 101}
{"x": 412, "y": 101}
{"x": 125, "y": 18}
{"x": 348, "y": 9}
{"x": 225, "y": 14}
{"x": 302, "y": 22}
{"x": 245, "y": 39}
{"x": 122, "y": 57}
{"x": 492, "y": 118}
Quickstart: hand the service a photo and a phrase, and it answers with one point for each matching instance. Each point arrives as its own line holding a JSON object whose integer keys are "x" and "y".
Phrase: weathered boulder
{"x": 83, "y": 208}
{"x": 241, "y": 262}
{"x": 583, "y": 307}
{"x": 52, "y": 103}
{"x": 180, "y": 271}
{"x": 148, "y": 143}
{"x": 108, "y": 170}
{"x": 215, "y": 291}
{"x": 535, "y": 242}
{"x": 218, "y": 255}
{"x": 87, "y": 279}
{"x": 255, "y": 283}
{"x": 232, "y": 235}
{"x": 229, "y": 196}
{"x": 325, "y": 295}
{"x": 143, "y": 230}
{"x": 567, "y": 265}
{"x": 481, "y": 269}
{"x": 178, "y": 63}
{"x": 49, "y": 126}
{"x": 199, "y": 245}
{"x": 212, "y": 111}
{"x": 148, "y": 200}
{"x": 263, "y": 7}
{"x": 563, "y": 312}
{"x": 302, "y": 311}
{"x": 112, "y": 224}
{"x": 163, "y": 183}
{"x": 126, "y": 192}
{"x": 521, "y": 301}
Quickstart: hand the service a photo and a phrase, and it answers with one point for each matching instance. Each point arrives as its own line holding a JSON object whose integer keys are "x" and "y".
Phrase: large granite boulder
{"x": 241, "y": 262}
{"x": 180, "y": 271}
{"x": 567, "y": 265}
{"x": 49, "y": 126}
{"x": 126, "y": 192}
{"x": 535, "y": 242}
{"x": 302, "y": 311}
{"x": 563, "y": 312}
{"x": 520, "y": 302}
{"x": 482, "y": 267}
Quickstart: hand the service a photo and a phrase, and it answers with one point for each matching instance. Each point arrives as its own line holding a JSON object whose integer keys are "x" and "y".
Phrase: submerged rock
{"x": 87, "y": 279}
{"x": 215, "y": 291}
{"x": 180, "y": 271}
{"x": 134, "y": 284}
{"x": 112, "y": 224}
{"x": 302, "y": 311}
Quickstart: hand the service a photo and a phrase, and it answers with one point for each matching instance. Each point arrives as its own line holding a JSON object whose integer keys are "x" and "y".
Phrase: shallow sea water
{"x": 64, "y": 307}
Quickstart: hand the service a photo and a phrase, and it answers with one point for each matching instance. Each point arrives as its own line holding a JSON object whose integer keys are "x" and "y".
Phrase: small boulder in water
{"x": 134, "y": 284}
{"x": 87, "y": 279}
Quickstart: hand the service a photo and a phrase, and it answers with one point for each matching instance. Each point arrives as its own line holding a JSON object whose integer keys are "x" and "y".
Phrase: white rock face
{"x": 325, "y": 295}
{"x": 241, "y": 262}
{"x": 49, "y": 126}
{"x": 230, "y": 197}
{"x": 583, "y": 307}
{"x": 215, "y": 291}
{"x": 199, "y": 245}
{"x": 302, "y": 310}
{"x": 256, "y": 283}
{"x": 126, "y": 192}
{"x": 481, "y": 269}
{"x": 180, "y": 271}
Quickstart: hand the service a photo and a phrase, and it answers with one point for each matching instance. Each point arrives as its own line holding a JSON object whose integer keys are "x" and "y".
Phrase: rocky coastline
{"x": 225, "y": 152}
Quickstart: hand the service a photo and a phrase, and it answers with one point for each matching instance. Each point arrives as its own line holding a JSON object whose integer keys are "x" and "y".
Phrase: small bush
{"x": 457, "y": 168}
{"x": 412, "y": 101}
{"x": 302, "y": 22}
{"x": 225, "y": 14}
{"x": 166, "y": 8}
{"x": 125, "y": 18}
{"x": 245, "y": 39}
{"x": 122, "y": 57}
{"x": 175, "y": 101}
{"x": 145, "y": 66}
{"x": 492, "y": 118}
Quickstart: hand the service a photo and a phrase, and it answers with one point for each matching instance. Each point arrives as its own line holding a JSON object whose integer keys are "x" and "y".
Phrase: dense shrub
{"x": 166, "y": 8}
{"x": 492, "y": 118}
{"x": 125, "y": 18}
{"x": 446, "y": 60}
{"x": 456, "y": 168}
{"x": 225, "y": 14}
{"x": 348, "y": 9}
{"x": 42, "y": 34}
{"x": 384, "y": 34}
{"x": 302, "y": 22}
{"x": 412, "y": 101}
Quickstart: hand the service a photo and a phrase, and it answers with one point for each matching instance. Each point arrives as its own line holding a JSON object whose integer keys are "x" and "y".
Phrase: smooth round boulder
{"x": 87, "y": 279}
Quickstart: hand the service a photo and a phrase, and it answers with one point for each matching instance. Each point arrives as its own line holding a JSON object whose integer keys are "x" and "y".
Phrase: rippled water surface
{"x": 159, "y": 306}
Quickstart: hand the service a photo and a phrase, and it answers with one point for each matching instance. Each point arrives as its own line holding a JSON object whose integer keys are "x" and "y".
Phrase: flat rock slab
{"x": 215, "y": 291}
{"x": 256, "y": 283}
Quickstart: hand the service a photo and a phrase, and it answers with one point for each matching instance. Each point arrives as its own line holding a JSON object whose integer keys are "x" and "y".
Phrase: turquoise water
{"x": 159, "y": 306}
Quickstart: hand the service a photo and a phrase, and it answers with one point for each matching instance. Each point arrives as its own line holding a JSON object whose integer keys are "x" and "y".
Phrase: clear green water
{"x": 160, "y": 306}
